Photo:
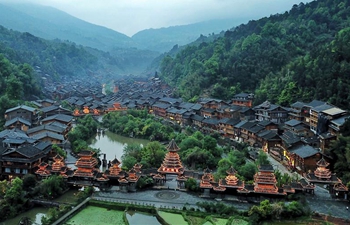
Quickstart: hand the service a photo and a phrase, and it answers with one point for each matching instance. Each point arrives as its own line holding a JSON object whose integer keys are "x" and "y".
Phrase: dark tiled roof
{"x": 315, "y": 103}
{"x": 248, "y": 125}
{"x": 31, "y": 109}
{"x": 269, "y": 134}
{"x": 323, "y": 107}
{"x": 59, "y": 117}
{"x": 161, "y": 105}
{"x": 340, "y": 121}
{"x": 13, "y": 133}
{"x": 48, "y": 127}
{"x": 17, "y": 119}
{"x": 292, "y": 122}
{"x": 255, "y": 129}
{"x": 265, "y": 123}
{"x": 290, "y": 138}
{"x": 242, "y": 95}
{"x": 240, "y": 124}
{"x": 48, "y": 134}
{"x": 197, "y": 118}
{"x": 304, "y": 151}
{"x": 298, "y": 105}
{"x": 212, "y": 121}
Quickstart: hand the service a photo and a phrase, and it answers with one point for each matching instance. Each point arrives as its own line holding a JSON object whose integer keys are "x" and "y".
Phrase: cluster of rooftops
{"x": 297, "y": 135}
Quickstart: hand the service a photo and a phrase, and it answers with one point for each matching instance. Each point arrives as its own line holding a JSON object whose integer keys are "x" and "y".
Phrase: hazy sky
{"x": 131, "y": 16}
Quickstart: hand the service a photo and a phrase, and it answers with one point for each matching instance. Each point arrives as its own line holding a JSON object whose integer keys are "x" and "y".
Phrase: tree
{"x": 29, "y": 182}
{"x": 4, "y": 186}
{"x": 52, "y": 186}
{"x": 154, "y": 153}
{"x": 248, "y": 171}
{"x": 191, "y": 184}
{"x": 262, "y": 159}
{"x": 14, "y": 195}
{"x": 129, "y": 162}
{"x": 59, "y": 151}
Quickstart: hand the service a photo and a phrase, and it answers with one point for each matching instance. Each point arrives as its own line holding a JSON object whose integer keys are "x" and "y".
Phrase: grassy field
{"x": 172, "y": 218}
{"x": 196, "y": 220}
{"x": 92, "y": 215}
{"x": 219, "y": 221}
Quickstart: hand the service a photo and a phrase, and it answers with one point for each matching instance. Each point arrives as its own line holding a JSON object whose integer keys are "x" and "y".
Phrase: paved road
{"x": 161, "y": 198}
{"x": 321, "y": 201}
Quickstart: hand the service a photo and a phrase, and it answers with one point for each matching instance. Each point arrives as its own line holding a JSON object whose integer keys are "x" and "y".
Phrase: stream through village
{"x": 110, "y": 144}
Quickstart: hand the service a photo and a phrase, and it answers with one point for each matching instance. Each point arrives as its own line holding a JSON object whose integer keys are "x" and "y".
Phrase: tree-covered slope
{"x": 298, "y": 55}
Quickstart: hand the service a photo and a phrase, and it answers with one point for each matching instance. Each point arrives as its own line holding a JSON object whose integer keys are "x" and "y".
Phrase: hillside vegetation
{"x": 299, "y": 55}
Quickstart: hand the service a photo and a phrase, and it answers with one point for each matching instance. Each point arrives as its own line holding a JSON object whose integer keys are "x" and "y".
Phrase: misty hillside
{"x": 50, "y": 23}
{"x": 163, "y": 39}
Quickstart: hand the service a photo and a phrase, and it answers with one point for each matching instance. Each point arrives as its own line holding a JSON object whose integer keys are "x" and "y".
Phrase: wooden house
{"x": 271, "y": 112}
{"x": 18, "y": 123}
{"x": 61, "y": 118}
{"x": 53, "y": 110}
{"x": 296, "y": 111}
{"x": 303, "y": 158}
{"x": 226, "y": 127}
{"x": 243, "y": 99}
{"x": 246, "y": 113}
{"x": 210, "y": 103}
{"x": 269, "y": 141}
{"x": 16, "y": 162}
{"x": 25, "y": 112}
{"x": 160, "y": 109}
{"x": 297, "y": 127}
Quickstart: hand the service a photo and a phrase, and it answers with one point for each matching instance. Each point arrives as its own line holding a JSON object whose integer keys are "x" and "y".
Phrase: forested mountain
{"x": 50, "y": 23}
{"x": 163, "y": 39}
{"x": 302, "y": 54}
{"x": 54, "y": 58}
{"x": 63, "y": 58}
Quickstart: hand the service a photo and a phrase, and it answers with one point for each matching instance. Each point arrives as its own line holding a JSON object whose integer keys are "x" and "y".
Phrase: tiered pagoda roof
{"x": 171, "y": 163}
{"x": 137, "y": 167}
{"x": 133, "y": 177}
{"x": 43, "y": 170}
{"x": 86, "y": 165}
{"x": 58, "y": 164}
{"x": 207, "y": 179}
{"x": 114, "y": 171}
{"x": 231, "y": 180}
{"x": 265, "y": 181}
{"x": 322, "y": 172}
{"x": 57, "y": 167}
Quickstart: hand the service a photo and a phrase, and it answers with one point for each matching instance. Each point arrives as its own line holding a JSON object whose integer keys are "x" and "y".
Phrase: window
{"x": 17, "y": 170}
{"x": 24, "y": 171}
{"x": 7, "y": 170}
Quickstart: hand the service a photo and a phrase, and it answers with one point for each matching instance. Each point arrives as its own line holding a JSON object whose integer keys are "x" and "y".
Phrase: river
{"x": 35, "y": 214}
{"x": 112, "y": 144}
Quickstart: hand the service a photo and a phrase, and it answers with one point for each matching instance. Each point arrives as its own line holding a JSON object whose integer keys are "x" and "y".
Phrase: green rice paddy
{"x": 172, "y": 218}
{"x": 93, "y": 215}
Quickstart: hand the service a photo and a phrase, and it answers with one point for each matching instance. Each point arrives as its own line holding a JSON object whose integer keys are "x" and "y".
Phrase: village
{"x": 297, "y": 137}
